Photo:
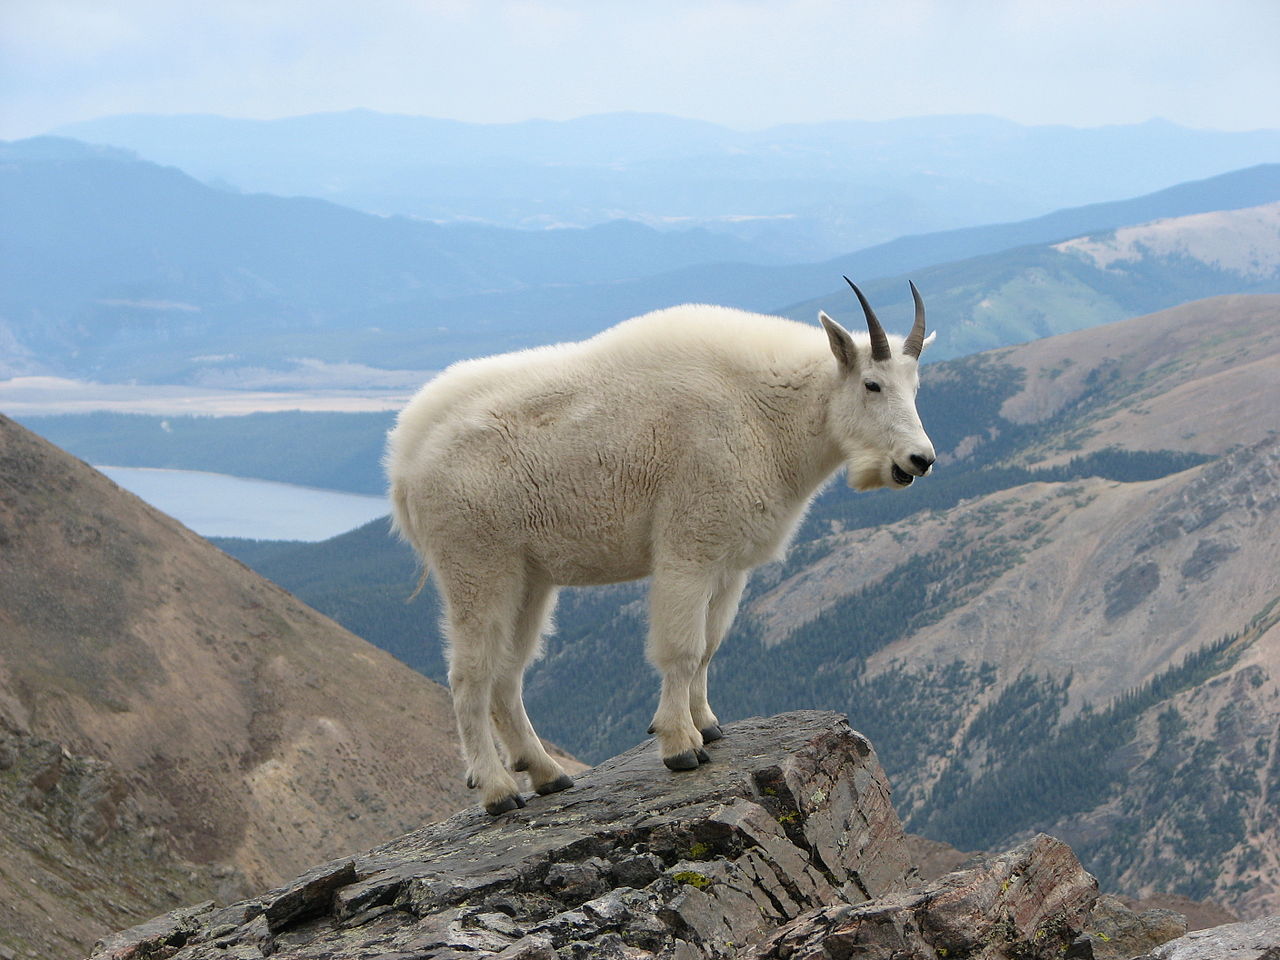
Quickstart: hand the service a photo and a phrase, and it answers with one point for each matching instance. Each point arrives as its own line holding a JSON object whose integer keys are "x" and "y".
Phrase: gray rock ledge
{"x": 1252, "y": 940}
{"x": 789, "y": 824}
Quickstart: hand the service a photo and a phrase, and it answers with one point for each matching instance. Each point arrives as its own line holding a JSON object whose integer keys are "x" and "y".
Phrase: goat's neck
{"x": 807, "y": 453}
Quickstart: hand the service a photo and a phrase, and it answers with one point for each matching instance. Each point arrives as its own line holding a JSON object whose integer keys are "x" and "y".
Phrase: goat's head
{"x": 872, "y": 411}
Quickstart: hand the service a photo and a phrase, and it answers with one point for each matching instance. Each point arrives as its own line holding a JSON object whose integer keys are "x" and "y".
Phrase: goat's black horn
{"x": 879, "y": 342}
{"x": 915, "y": 339}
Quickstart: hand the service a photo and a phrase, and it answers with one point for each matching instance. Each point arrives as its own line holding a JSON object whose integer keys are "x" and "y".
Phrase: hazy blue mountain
{"x": 1037, "y": 291}
{"x": 1249, "y": 187}
{"x": 115, "y": 267}
{"x": 986, "y": 251}
{"x": 1006, "y": 297}
{"x": 804, "y": 190}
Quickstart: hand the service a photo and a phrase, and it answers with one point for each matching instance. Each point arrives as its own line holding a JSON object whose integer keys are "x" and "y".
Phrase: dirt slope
{"x": 249, "y": 735}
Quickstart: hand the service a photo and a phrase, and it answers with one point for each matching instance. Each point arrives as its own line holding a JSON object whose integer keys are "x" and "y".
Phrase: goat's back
{"x": 580, "y": 440}
{"x": 656, "y": 356}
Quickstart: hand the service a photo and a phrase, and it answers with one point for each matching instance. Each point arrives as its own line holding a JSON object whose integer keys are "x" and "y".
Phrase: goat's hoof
{"x": 652, "y": 729}
{"x": 471, "y": 782}
{"x": 505, "y": 805}
{"x": 711, "y": 733}
{"x": 562, "y": 782}
{"x": 702, "y": 755}
{"x": 682, "y": 761}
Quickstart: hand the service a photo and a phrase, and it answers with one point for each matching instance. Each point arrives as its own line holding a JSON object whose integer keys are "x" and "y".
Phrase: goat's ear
{"x": 928, "y": 340}
{"x": 841, "y": 343}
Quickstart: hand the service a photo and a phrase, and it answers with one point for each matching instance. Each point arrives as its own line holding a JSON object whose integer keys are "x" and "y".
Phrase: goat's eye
{"x": 872, "y": 386}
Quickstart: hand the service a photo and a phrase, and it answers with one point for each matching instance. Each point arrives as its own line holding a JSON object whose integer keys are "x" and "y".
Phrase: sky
{"x": 747, "y": 64}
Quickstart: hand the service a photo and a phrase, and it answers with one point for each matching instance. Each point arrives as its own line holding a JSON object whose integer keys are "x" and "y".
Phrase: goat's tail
{"x": 402, "y": 526}
{"x": 422, "y": 582}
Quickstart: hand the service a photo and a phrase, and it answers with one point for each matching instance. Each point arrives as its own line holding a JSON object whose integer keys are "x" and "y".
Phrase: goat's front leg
{"x": 678, "y": 601}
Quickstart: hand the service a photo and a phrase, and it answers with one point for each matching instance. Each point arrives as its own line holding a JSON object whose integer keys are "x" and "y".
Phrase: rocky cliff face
{"x": 785, "y": 845}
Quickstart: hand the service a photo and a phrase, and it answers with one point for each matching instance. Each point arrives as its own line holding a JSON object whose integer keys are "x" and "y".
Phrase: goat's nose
{"x": 921, "y": 463}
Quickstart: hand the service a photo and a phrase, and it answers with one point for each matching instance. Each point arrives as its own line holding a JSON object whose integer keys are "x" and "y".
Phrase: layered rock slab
{"x": 1027, "y": 904}
{"x": 1251, "y": 940}
{"x": 791, "y": 814}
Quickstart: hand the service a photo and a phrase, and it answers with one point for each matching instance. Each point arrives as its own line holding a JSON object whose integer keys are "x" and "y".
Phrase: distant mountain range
{"x": 1081, "y": 601}
{"x": 1019, "y": 295}
{"x": 803, "y": 191}
{"x": 117, "y": 269}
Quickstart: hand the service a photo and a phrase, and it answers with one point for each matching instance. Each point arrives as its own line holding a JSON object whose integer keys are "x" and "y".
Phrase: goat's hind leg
{"x": 480, "y": 617}
{"x": 524, "y": 748}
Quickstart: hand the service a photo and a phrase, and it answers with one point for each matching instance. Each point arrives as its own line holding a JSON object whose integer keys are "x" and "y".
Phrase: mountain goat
{"x": 683, "y": 445}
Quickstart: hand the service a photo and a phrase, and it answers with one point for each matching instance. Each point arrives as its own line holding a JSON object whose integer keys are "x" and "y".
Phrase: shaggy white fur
{"x": 683, "y": 445}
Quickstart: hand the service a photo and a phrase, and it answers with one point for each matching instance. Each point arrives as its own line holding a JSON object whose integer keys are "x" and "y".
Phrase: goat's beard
{"x": 867, "y": 471}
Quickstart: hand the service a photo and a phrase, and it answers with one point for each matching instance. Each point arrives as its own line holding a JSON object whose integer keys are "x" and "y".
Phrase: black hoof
{"x": 505, "y": 805}
{"x": 682, "y": 761}
{"x": 652, "y": 729}
{"x": 711, "y": 733}
{"x": 562, "y": 782}
{"x": 702, "y": 755}
{"x": 471, "y": 782}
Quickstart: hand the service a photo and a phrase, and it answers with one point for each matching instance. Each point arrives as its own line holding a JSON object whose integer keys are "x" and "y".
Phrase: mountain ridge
{"x": 836, "y": 185}
{"x": 282, "y": 264}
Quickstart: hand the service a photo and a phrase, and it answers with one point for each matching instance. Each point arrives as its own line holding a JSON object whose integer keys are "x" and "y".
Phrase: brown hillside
{"x": 246, "y": 729}
{"x": 1110, "y": 581}
{"x": 1188, "y": 378}
{"x": 1109, "y": 584}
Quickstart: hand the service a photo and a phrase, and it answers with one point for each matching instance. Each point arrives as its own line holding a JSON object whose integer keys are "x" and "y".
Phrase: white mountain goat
{"x": 683, "y": 445}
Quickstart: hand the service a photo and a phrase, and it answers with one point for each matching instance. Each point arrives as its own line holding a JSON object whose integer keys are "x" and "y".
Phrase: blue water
{"x": 218, "y": 505}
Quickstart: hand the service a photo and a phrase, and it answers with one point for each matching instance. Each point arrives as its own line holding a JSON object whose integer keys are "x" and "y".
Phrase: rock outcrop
{"x": 1028, "y": 903}
{"x": 1116, "y": 932}
{"x": 785, "y": 845}
{"x": 1254, "y": 940}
